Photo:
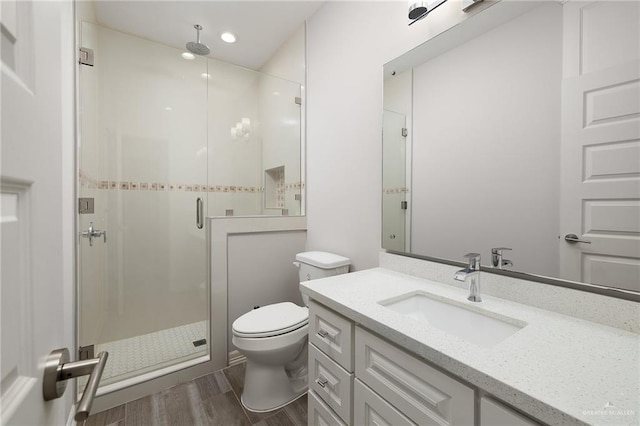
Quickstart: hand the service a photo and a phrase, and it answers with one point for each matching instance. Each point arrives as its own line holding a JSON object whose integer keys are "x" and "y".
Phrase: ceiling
{"x": 261, "y": 25}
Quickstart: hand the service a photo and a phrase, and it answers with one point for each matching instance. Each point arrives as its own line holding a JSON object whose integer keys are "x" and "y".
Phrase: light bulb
{"x": 228, "y": 37}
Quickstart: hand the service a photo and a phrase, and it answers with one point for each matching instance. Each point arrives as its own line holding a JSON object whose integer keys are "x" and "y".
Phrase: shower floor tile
{"x": 141, "y": 354}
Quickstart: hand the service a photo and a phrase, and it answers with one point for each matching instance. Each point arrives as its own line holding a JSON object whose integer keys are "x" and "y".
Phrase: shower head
{"x": 197, "y": 47}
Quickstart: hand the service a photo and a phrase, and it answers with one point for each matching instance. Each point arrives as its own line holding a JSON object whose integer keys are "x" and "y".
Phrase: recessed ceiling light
{"x": 188, "y": 56}
{"x": 228, "y": 37}
{"x": 205, "y": 75}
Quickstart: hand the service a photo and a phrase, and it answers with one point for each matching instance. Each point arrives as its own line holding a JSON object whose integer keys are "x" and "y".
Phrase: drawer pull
{"x": 323, "y": 381}
{"x": 324, "y": 334}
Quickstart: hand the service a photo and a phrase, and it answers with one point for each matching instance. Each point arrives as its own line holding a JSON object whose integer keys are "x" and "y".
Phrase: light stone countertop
{"x": 558, "y": 369}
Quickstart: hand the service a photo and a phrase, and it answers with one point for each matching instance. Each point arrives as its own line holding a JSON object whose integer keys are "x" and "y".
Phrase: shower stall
{"x": 163, "y": 142}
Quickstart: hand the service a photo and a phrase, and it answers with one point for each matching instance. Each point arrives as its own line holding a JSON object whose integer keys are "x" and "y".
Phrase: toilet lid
{"x": 271, "y": 320}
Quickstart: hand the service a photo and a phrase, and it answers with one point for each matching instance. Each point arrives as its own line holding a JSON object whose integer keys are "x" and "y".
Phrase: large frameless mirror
{"x": 521, "y": 143}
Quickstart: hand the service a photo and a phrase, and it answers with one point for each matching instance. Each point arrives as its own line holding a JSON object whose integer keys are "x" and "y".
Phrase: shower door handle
{"x": 199, "y": 213}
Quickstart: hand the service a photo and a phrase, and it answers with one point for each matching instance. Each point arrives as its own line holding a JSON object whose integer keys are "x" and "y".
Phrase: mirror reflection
{"x": 522, "y": 136}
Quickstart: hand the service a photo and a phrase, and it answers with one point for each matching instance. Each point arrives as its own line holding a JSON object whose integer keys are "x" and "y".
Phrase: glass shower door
{"x": 142, "y": 164}
{"x": 394, "y": 181}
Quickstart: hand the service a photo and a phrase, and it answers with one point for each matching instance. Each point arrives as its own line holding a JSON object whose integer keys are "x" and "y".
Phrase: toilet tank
{"x": 319, "y": 264}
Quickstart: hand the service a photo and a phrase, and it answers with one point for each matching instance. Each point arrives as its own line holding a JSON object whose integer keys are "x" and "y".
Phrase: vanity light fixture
{"x": 420, "y": 9}
{"x": 228, "y": 37}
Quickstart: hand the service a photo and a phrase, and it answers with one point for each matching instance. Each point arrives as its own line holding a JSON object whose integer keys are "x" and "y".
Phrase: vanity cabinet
{"x": 331, "y": 382}
{"x": 332, "y": 334}
{"x": 371, "y": 409}
{"x": 420, "y": 392}
{"x": 319, "y": 413}
{"x": 331, "y": 363}
{"x": 493, "y": 413}
{"x": 357, "y": 378}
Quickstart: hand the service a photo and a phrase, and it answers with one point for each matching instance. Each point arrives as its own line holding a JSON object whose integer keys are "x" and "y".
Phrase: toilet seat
{"x": 271, "y": 320}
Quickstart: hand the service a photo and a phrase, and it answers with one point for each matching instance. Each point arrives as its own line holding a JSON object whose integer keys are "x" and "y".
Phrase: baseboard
{"x": 236, "y": 358}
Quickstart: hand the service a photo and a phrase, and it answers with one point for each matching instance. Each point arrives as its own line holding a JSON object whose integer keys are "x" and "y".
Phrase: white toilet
{"x": 274, "y": 340}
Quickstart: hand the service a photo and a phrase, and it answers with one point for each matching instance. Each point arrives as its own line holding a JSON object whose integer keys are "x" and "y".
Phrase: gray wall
{"x": 261, "y": 271}
{"x": 347, "y": 45}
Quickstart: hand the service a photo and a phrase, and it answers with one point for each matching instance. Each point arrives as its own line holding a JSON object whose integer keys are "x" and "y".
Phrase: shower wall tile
{"x": 281, "y": 132}
{"x": 89, "y": 182}
{"x": 398, "y": 190}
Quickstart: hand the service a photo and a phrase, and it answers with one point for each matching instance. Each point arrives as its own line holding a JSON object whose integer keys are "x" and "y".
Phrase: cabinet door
{"x": 332, "y": 334}
{"x": 492, "y": 413}
{"x": 331, "y": 382}
{"x": 422, "y": 393}
{"x": 319, "y": 414}
{"x": 370, "y": 409}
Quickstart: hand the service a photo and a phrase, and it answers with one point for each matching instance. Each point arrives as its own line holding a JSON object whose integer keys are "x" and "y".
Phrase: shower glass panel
{"x": 394, "y": 181}
{"x": 142, "y": 159}
{"x": 254, "y": 137}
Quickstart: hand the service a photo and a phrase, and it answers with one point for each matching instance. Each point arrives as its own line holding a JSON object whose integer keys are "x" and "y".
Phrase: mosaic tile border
{"x": 399, "y": 190}
{"x": 280, "y": 188}
{"x": 91, "y": 183}
{"x": 293, "y": 186}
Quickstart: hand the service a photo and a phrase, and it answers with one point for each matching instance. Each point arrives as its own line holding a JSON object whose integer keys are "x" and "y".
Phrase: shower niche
{"x": 274, "y": 188}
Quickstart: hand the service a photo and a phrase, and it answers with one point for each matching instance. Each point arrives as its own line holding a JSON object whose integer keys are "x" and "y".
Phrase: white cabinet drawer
{"x": 319, "y": 414}
{"x": 425, "y": 395}
{"x": 492, "y": 413}
{"x": 331, "y": 333}
{"x": 370, "y": 409}
{"x": 331, "y": 382}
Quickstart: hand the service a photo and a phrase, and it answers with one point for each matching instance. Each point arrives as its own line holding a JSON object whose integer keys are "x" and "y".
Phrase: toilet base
{"x": 267, "y": 388}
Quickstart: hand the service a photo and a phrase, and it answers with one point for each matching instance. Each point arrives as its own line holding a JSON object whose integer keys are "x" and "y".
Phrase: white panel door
{"x": 600, "y": 176}
{"x": 36, "y": 123}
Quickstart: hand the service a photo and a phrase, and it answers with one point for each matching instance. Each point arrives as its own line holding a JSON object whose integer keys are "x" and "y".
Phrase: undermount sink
{"x": 457, "y": 319}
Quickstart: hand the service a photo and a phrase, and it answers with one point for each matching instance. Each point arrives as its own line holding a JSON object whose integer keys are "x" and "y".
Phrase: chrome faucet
{"x": 496, "y": 258}
{"x": 472, "y": 272}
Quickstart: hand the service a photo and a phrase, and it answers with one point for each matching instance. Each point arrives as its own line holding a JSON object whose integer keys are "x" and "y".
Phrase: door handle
{"x": 58, "y": 370}
{"x": 199, "y": 213}
{"x": 573, "y": 238}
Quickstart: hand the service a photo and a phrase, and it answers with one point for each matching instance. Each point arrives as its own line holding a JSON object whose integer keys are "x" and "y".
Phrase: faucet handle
{"x": 474, "y": 261}
{"x": 496, "y": 257}
{"x": 499, "y": 250}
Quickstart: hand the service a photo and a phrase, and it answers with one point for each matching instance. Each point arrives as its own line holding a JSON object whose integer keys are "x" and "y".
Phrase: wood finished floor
{"x": 213, "y": 399}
